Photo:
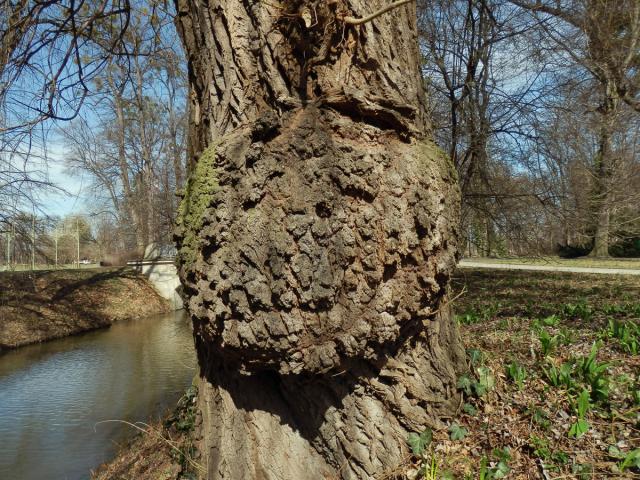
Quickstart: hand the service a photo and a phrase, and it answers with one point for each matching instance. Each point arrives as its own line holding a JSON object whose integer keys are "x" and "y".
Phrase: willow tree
{"x": 316, "y": 238}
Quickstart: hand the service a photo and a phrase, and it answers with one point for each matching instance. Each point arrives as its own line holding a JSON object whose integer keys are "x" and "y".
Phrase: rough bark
{"x": 316, "y": 239}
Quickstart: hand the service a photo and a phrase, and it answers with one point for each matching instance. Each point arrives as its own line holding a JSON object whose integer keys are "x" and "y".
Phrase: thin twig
{"x": 448, "y": 302}
{"x": 151, "y": 431}
{"x": 360, "y": 21}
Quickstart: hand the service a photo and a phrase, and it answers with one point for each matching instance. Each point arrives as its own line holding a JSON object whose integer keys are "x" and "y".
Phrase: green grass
{"x": 586, "y": 262}
{"x": 553, "y": 380}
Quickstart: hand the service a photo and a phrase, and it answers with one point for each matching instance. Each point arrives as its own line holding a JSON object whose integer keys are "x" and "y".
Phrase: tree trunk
{"x": 601, "y": 239}
{"x": 602, "y": 175}
{"x": 489, "y": 236}
{"x": 174, "y": 127}
{"x": 147, "y": 184}
{"x": 316, "y": 239}
{"x": 130, "y": 203}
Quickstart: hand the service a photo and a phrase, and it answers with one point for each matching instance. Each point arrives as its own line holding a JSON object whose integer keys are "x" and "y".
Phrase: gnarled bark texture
{"x": 316, "y": 239}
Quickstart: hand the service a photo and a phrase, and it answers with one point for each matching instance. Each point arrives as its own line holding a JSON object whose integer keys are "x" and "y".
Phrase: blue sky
{"x": 56, "y": 202}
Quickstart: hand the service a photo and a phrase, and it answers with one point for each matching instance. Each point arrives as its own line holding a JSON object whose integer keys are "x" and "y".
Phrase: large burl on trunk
{"x": 316, "y": 239}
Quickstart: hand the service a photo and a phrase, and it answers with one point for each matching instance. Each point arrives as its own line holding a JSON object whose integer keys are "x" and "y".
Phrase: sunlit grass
{"x": 587, "y": 262}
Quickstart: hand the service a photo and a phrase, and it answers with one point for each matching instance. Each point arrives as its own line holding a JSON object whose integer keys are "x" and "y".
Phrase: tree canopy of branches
{"x": 505, "y": 74}
{"x": 115, "y": 70}
{"x": 131, "y": 138}
{"x": 49, "y": 54}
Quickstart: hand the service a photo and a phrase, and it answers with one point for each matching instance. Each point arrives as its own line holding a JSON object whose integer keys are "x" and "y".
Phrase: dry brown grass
{"x": 42, "y": 305}
{"x": 160, "y": 451}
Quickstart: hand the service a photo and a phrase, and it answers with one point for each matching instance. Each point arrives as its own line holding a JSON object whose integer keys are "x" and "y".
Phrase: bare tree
{"x": 139, "y": 111}
{"x": 569, "y": 139}
{"x": 600, "y": 39}
{"x": 482, "y": 87}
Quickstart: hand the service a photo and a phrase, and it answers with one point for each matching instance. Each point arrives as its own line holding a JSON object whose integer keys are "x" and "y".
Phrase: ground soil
{"x": 43, "y": 305}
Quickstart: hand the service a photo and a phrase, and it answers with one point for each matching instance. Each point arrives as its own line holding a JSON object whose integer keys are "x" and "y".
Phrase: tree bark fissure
{"x": 317, "y": 239}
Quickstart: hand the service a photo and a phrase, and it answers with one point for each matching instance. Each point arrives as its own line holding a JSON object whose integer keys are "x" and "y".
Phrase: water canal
{"x": 53, "y": 396}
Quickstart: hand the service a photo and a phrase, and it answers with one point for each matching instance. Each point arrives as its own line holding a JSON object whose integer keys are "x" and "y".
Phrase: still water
{"x": 53, "y": 395}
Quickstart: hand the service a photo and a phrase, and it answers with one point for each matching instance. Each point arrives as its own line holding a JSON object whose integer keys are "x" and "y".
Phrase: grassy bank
{"x": 43, "y": 305}
{"x": 553, "y": 389}
{"x": 160, "y": 451}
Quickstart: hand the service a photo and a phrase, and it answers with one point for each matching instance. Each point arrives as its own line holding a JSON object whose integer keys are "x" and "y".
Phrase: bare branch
{"x": 368, "y": 18}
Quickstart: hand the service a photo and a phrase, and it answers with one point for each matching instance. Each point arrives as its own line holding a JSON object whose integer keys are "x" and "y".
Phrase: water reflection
{"x": 53, "y": 395}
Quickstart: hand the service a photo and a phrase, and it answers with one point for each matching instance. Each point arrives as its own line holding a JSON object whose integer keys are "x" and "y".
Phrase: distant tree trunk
{"x": 489, "y": 233}
{"x": 130, "y": 203}
{"x": 316, "y": 239}
{"x": 174, "y": 127}
{"x": 601, "y": 238}
{"x": 603, "y": 172}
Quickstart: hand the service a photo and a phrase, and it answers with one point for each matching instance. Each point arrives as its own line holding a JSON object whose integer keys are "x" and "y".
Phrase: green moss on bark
{"x": 199, "y": 193}
{"x": 431, "y": 153}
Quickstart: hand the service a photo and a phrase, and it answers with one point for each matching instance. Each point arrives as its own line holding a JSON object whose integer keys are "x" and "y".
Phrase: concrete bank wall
{"x": 163, "y": 275}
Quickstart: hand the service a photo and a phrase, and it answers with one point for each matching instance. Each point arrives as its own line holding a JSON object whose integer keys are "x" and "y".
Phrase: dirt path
{"x": 548, "y": 268}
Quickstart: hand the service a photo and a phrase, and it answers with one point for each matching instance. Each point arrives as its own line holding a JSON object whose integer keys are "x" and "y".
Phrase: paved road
{"x": 548, "y": 268}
